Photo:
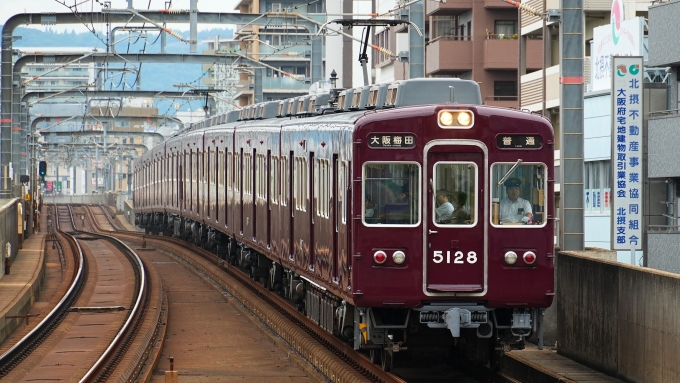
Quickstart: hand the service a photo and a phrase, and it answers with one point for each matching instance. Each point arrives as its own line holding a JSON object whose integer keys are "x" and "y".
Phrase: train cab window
{"x": 518, "y": 194}
{"x": 391, "y": 193}
{"x": 453, "y": 200}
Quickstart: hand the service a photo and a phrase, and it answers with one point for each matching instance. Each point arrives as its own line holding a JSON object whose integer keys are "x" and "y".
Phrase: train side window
{"x": 454, "y": 202}
{"x": 283, "y": 181}
{"x": 229, "y": 171}
{"x": 518, "y": 194}
{"x": 274, "y": 180}
{"x": 342, "y": 191}
{"x": 391, "y": 193}
{"x": 301, "y": 183}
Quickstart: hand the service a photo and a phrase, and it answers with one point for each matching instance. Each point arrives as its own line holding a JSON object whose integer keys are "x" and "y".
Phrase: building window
{"x": 597, "y": 176}
{"x": 505, "y": 27}
{"x": 382, "y": 39}
{"x": 444, "y": 26}
{"x": 505, "y": 90}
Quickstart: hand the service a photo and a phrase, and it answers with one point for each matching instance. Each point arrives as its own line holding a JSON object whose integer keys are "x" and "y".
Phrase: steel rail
{"x": 18, "y": 352}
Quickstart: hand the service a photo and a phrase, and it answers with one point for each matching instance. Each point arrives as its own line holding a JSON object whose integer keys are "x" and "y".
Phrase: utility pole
{"x": 570, "y": 17}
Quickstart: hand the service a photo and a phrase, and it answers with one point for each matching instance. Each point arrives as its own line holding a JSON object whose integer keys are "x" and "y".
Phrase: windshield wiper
{"x": 512, "y": 169}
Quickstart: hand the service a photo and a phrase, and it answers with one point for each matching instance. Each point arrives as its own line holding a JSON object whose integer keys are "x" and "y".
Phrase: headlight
{"x": 461, "y": 119}
{"x": 464, "y": 118}
{"x": 510, "y": 257}
{"x": 398, "y": 257}
{"x": 446, "y": 118}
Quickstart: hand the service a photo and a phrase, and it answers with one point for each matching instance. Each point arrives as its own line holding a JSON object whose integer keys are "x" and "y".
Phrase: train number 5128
{"x": 458, "y": 257}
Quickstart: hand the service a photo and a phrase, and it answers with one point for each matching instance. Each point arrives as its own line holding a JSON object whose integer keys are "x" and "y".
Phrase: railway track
{"x": 334, "y": 358}
{"x": 91, "y": 329}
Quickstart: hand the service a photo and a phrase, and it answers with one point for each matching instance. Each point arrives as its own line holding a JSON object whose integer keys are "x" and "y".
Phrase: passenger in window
{"x": 444, "y": 209}
{"x": 369, "y": 208}
{"x": 459, "y": 215}
{"x": 513, "y": 208}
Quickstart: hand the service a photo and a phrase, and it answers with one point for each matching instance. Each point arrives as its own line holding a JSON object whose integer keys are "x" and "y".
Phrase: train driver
{"x": 513, "y": 208}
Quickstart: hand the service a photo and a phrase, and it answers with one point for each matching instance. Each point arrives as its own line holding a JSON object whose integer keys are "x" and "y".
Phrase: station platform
{"x": 547, "y": 366}
{"x": 127, "y": 225}
{"x": 19, "y": 291}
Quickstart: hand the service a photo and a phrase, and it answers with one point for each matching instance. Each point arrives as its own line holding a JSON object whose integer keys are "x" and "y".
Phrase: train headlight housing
{"x": 460, "y": 119}
{"x": 446, "y": 118}
{"x": 510, "y": 257}
{"x": 399, "y": 257}
{"x": 529, "y": 257}
{"x": 379, "y": 257}
{"x": 464, "y": 118}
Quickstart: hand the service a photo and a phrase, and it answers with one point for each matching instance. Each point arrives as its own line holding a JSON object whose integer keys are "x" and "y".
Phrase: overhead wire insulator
{"x": 173, "y": 11}
{"x": 382, "y": 50}
{"x": 173, "y": 34}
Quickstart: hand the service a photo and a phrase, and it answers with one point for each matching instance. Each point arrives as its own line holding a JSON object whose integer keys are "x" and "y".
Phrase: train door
{"x": 455, "y": 245}
{"x": 313, "y": 203}
{"x": 268, "y": 179}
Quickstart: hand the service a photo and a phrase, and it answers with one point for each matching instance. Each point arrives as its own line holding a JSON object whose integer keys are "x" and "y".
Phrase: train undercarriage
{"x": 433, "y": 331}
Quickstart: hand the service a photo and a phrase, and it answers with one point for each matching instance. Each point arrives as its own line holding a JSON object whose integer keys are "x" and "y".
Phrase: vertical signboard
{"x": 627, "y": 75}
{"x": 620, "y": 38}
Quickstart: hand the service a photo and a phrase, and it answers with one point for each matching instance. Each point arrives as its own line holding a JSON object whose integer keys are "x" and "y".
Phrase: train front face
{"x": 454, "y": 216}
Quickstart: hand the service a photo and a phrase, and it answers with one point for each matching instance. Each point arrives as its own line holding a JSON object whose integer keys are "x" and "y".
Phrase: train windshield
{"x": 455, "y": 190}
{"x": 518, "y": 194}
{"x": 391, "y": 193}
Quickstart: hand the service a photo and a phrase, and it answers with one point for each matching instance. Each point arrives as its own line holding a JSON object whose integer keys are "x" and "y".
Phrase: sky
{"x": 8, "y": 8}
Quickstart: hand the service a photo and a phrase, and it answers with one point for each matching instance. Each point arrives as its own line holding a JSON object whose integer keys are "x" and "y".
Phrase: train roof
{"x": 418, "y": 91}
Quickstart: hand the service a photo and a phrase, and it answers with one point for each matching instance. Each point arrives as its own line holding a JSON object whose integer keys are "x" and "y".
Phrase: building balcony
{"x": 534, "y": 51}
{"x": 449, "y": 8}
{"x": 497, "y": 4}
{"x": 278, "y": 53}
{"x": 283, "y": 85}
{"x": 531, "y": 89}
{"x": 448, "y": 55}
{"x": 501, "y": 52}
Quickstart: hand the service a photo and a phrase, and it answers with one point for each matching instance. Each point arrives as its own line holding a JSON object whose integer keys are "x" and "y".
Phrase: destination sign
{"x": 507, "y": 141}
{"x": 391, "y": 140}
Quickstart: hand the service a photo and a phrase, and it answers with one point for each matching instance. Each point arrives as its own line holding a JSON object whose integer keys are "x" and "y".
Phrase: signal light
{"x": 379, "y": 257}
{"x": 529, "y": 257}
{"x": 399, "y": 257}
{"x": 42, "y": 168}
{"x": 510, "y": 257}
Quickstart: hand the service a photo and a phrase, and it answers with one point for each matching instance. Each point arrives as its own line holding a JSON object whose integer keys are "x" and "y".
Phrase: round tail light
{"x": 379, "y": 257}
{"x": 398, "y": 257}
{"x": 510, "y": 257}
{"x": 529, "y": 257}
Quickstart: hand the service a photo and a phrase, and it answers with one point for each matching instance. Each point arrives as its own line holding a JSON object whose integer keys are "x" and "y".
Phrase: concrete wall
{"x": 9, "y": 229}
{"x": 619, "y": 319}
{"x": 97, "y": 199}
{"x": 663, "y": 47}
{"x": 129, "y": 212}
{"x": 664, "y": 250}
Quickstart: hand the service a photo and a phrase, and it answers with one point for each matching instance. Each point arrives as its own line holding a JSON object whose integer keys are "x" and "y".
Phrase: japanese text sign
{"x": 627, "y": 123}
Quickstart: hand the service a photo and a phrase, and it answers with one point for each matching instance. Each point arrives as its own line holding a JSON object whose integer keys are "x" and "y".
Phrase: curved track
{"x": 88, "y": 331}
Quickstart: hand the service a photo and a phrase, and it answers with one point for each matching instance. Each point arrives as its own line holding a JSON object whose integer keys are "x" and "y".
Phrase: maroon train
{"x": 381, "y": 213}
